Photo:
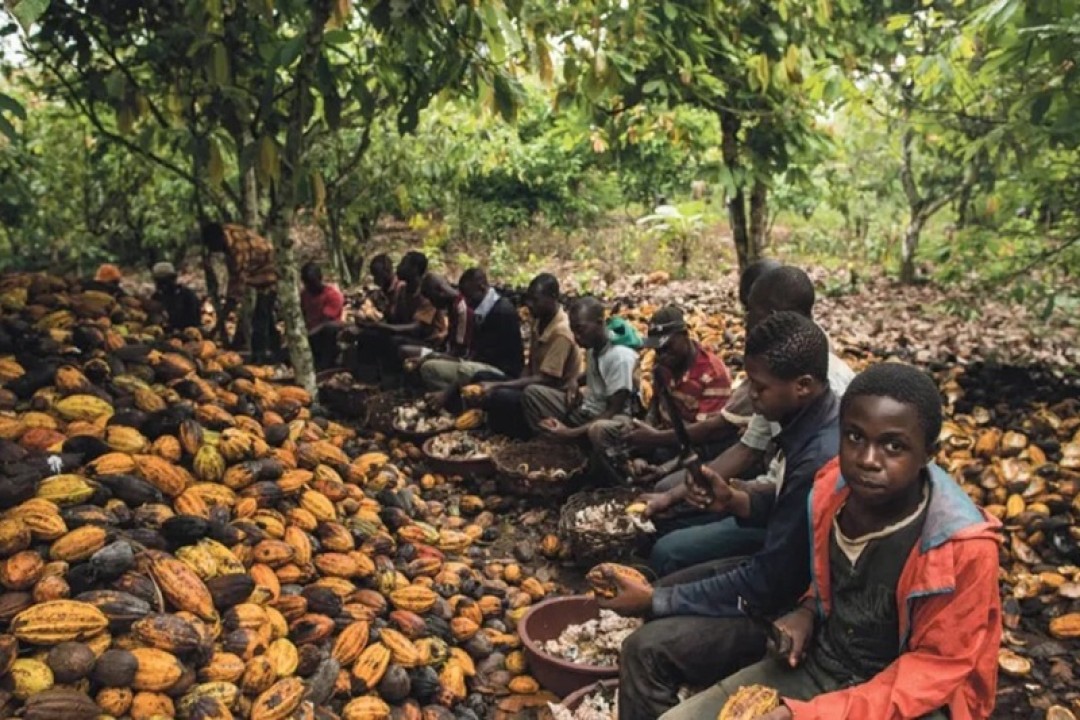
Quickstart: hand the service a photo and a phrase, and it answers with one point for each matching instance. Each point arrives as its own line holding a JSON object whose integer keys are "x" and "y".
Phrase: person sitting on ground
{"x": 411, "y": 319}
{"x": 107, "y": 280}
{"x": 322, "y": 304}
{"x": 903, "y": 619}
{"x": 691, "y": 537}
{"x": 452, "y": 313}
{"x": 554, "y": 360}
{"x": 252, "y": 288}
{"x": 601, "y": 413}
{"x": 696, "y": 634}
{"x": 387, "y": 283}
{"x": 718, "y": 430}
{"x": 494, "y": 349}
{"x": 697, "y": 380}
{"x": 180, "y": 303}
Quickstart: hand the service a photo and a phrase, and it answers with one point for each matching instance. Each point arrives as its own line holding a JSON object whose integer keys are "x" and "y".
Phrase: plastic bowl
{"x": 546, "y": 621}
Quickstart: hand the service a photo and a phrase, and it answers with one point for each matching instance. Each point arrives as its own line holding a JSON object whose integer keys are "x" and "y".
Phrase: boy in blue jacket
{"x": 696, "y": 634}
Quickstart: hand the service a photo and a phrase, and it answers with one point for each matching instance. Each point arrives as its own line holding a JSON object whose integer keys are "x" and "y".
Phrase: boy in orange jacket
{"x": 903, "y": 618}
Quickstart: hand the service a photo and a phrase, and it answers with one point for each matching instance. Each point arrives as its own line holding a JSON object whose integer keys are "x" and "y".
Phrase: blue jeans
{"x": 715, "y": 540}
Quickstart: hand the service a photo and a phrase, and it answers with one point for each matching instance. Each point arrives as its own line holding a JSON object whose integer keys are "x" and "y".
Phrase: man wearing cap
{"x": 698, "y": 380}
{"x": 181, "y": 305}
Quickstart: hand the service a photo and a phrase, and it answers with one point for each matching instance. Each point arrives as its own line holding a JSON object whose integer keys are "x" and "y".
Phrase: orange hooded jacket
{"x": 950, "y": 611}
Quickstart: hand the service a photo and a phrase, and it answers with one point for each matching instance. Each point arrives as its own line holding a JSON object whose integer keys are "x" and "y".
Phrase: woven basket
{"x": 352, "y": 402}
{"x": 544, "y": 458}
{"x": 592, "y": 547}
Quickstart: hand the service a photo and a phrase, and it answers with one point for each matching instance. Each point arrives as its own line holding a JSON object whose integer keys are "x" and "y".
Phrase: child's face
{"x": 774, "y": 398}
{"x": 882, "y": 449}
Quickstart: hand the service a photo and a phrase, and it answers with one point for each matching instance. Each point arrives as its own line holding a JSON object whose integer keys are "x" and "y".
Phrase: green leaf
{"x": 1040, "y": 105}
{"x": 26, "y": 11}
{"x": 337, "y": 37}
{"x": 505, "y": 102}
{"x": 267, "y": 165}
{"x": 290, "y": 51}
{"x": 219, "y": 65}
{"x": 12, "y": 106}
{"x": 7, "y": 129}
{"x": 897, "y": 22}
{"x": 657, "y": 87}
{"x": 670, "y": 11}
{"x": 215, "y": 165}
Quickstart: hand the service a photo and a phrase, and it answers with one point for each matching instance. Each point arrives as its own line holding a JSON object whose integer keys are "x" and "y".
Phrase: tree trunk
{"x": 285, "y": 207}
{"x": 759, "y": 219}
{"x": 334, "y": 245}
{"x": 736, "y": 204}
{"x": 249, "y": 199}
{"x": 910, "y": 246}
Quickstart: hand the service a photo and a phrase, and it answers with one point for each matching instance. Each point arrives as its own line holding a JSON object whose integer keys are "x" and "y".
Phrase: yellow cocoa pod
{"x": 57, "y": 621}
{"x": 157, "y": 670}
{"x": 368, "y": 707}
{"x": 82, "y": 407}
{"x": 749, "y": 702}
{"x": 414, "y": 598}
{"x": 65, "y": 489}
{"x": 284, "y": 655}
{"x": 371, "y": 665}
{"x": 79, "y": 544}
{"x": 279, "y": 701}
{"x": 469, "y": 420}
{"x": 30, "y": 677}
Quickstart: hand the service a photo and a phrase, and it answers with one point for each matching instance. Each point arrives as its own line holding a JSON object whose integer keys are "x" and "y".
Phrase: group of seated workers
{"x": 818, "y": 511}
{"x": 817, "y": 549}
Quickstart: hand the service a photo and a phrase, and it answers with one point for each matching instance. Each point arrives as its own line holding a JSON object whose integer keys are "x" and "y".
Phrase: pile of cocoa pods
{"x": 180, "y": 536}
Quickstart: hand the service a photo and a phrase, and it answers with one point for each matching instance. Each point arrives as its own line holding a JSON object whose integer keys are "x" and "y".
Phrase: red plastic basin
{"x": 546, "y": 621}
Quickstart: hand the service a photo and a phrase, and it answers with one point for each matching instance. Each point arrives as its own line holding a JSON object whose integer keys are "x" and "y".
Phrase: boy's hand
{"x": 781, "y": 713}
{"x": 798, "y": 626}
{"x": 715, "y": 497}
{"x": 632, "y": 597}
{"x": 554, "y": 427}
{"x": 655, "y": 504}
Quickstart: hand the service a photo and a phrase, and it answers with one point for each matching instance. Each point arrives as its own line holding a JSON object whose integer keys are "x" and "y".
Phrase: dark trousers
{"x": 375, "y": 358}
{"x": 265, "y": 339}
{"x": 505, "y": 414}
{"x": 667, "y": 653}
{"x": 324, "y": 347}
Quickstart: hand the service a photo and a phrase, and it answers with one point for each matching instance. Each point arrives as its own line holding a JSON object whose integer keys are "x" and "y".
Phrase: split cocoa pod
{"x": 749, "y": 703}
{"x": 602, "y": 586}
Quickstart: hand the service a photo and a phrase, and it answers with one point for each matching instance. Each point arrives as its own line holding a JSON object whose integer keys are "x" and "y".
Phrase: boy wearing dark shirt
{"x": 903, "y": 616}
{"x": 696, "y": 634}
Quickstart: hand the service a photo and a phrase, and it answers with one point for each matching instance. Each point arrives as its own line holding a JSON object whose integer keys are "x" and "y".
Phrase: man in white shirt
{"x": 602, "y": 412}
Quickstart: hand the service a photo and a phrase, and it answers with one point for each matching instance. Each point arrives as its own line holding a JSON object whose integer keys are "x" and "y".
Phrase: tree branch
{"x": 87, "y": 110}
{"x": 907, "y": 171}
